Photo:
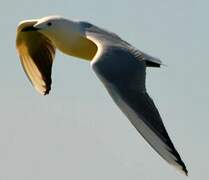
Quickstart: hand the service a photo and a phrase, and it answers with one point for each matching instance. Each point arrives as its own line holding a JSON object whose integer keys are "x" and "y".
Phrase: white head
{"x": 68, "y": 36}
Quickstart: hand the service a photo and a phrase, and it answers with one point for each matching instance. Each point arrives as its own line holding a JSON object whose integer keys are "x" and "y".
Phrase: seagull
{"x": 120, "y": 66}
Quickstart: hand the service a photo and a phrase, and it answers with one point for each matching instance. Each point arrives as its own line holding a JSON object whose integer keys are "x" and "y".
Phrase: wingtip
{"x": 44, "y": 93}
{"x": 185, "y": 171}
{"x": 47, "y": 92}
{"x": 182, "y": 168}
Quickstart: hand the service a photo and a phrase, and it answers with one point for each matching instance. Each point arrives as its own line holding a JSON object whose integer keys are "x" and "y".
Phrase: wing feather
{"x": 124, "y": 77}
{"x": 36, "y": 54}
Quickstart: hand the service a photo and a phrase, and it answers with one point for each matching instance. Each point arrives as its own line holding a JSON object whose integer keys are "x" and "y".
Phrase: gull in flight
{"x": 120, "y": 67}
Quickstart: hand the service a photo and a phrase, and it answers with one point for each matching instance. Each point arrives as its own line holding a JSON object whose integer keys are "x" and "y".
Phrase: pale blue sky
{"x": 77, "y": 132}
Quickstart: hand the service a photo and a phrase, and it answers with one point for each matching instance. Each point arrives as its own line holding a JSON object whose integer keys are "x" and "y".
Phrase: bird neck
{"x": 78, "y": 46}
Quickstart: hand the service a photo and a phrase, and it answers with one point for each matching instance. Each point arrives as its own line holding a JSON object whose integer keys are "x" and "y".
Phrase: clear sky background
{"x": 77, "y": 132}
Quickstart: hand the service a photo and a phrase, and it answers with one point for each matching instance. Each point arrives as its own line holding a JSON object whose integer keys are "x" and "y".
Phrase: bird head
{"x": 68, "y": 36}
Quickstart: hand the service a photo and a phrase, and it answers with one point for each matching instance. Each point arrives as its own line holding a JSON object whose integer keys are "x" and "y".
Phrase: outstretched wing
{"x": 36, "y": 54}
{"x": 124, "y": 77}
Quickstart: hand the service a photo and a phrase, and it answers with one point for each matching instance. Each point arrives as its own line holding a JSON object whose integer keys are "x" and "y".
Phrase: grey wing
{"x": 124, "y": 77}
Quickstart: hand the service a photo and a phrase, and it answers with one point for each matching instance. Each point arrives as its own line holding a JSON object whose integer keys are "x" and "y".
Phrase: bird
{"x": 120, "y": 66}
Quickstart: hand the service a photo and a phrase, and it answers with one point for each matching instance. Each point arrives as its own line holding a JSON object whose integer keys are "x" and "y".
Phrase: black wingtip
{"x": 183, "y": 167}
{"x": 152, "y": 64}
{"x": 185, "y": 171}
{"x": 47, "y": 92}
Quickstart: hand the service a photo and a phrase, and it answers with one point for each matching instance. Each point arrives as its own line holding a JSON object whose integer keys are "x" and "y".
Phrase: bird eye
{"x": 49, "y": 24}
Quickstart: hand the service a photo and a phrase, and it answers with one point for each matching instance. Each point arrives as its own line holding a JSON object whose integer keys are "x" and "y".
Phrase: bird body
{"x": 120, "y": 66}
